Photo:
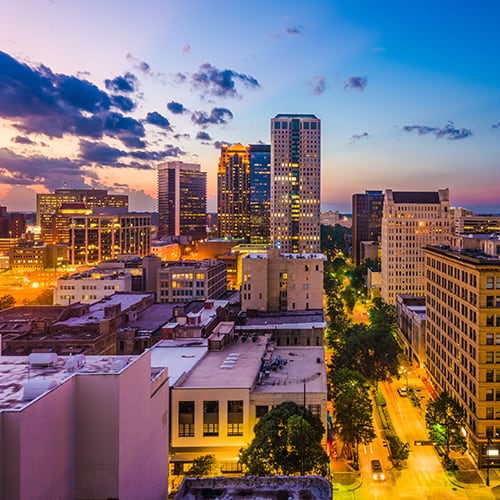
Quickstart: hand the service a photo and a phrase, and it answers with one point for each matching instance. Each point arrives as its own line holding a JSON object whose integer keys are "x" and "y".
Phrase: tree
{"x": 45, "y": 298}
{"x": 445, "y": 419}
{"x": 383, "y": 315}
{"x": 205, "y": 465}
{"x": 287, "y": 441}
{"x": 353, "y": 409}
{"x": 7, "y": 301}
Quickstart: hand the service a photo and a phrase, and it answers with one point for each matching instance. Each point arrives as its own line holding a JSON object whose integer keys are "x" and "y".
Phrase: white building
{"x": 410, "y": 221}
{"x": 83, "y": 428}
{"x": 91, "y": 286}
{"x": 295, "y": 183}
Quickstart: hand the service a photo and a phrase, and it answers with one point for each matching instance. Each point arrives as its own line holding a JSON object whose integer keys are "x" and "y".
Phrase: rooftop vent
{"x": 35, "y": 388}
{"x": 42, "y": 359}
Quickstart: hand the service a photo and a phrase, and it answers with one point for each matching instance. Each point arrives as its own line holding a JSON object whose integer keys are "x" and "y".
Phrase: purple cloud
{"x": 294, "y": 30}
{"x": 449, "y": 131}
{"x": 496, "y": 125}
{"x": 125, "y": 83}
{"x": 358, "y": 137}
{"x": 175, "y": 107}
{"x": 19, "y": 139}
{"x": 356, "y": 83}
{"x": 218, "y": 116}
{"x": 159, "y": 120}
{"x": 203, "y": 136}
{"x": 318, "y": 85}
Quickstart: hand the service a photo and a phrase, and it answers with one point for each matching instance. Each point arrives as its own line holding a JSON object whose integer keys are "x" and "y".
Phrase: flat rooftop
{"x": 16, "y": 372}
{"x": 236, "y": 366}
{"x": 284, "y": 320}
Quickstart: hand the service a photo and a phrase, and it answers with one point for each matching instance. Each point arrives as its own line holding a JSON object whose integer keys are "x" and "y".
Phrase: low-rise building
{"x": 410, "y": 312}
{"x": 184, "y": 281}
{"x": 81, "y": 427}
{"x": 273, "y": 281}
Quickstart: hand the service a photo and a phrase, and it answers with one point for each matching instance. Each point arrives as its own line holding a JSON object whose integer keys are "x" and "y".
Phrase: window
{"x": 489, "y": 339}
{"x": 186, "y": 418}
{"x": 489, "y": 413}
{"x": 489, "y": 283}
{"x": 489, "y": 394}
{"x": 489, "y": 375}
{"x": 489, "y": 357}
{"x": 210, "y": 418}
{"x": 261, "y": 410}
{"x": 489, "y": 431}
{"x": 235, "y": 418}
{"x": 490, "y": 301}
{"x": 314, "y": 409}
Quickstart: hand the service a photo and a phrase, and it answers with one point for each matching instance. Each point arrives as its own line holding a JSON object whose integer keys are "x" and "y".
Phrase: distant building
{"x": 30, "y": 257}
{"x": 184, "y": 281}
{"x": 260, "y": 192}
{"x": 50, "y": 203}
{"x": 275, "y": 281}
{"x": 410, "y": 312}
{"x": 295, "y": 183}
{"x": 91, "y": 286}
{"x": 366, "y": 220}
{"x": 105, "y": 431}
{"x": 477, "y": 224}
{"x": 411, "y": 220}
{"x": 182, "y": 200}
{"x": 12, "y": 225}
{"x": 463, "y": 335}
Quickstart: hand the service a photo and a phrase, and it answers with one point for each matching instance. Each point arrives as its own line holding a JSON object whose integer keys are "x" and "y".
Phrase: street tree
{"x": 353, "y": 409}
{"x": 205, "y": 465}
{"x": 445, "y": 419}
{"x": 7, "y": 301}
{"x": 287, "y": 441}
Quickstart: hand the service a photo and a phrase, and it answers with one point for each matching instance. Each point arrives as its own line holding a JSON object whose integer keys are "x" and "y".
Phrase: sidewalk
{"x": 343, "y": 477}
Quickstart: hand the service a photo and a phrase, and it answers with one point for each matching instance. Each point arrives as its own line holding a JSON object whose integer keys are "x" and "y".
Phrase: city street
{"x": 424, "y": 477}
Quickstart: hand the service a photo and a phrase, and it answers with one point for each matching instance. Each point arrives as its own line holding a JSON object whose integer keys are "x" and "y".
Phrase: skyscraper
{"x": 366, "y": 220}
{"x": 295, "y": 183}
{"x": 410, "y": 221}
{"x": 260, "y": 172}
{"x": 233, "y": 192}
{"x": 182, "y": 200}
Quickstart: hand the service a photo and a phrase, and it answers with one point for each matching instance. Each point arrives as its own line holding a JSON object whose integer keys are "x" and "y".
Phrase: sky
{"x": 94, "y": 94}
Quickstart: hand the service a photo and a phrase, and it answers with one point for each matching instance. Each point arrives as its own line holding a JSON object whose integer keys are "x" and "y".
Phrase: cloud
{"x": 125, "y": 83}
{"x": 318, "y": 85}
{"x": 142, "y": 66}
{"x": 496, "y": 125}
{"x": 449, "y": 131}
{"x": 159, "y": 120}
{"x": 19, "y": 139}
{"x": 358, "y": 137}
{"x": 218, "y": 116}
{"x": 123, "y": 103}
{"x": 203, "y": 136}
{"x": 186, "y": 48}
{"x": 99, "y": 152}
{"x": 220, "y": 83}
{"x": 182, "y": 136}
{"x": 176, "y": 107}
{"x": 219, "y": 144}
{"x": 294, "y": 30}
{"x": 356, "y": 83}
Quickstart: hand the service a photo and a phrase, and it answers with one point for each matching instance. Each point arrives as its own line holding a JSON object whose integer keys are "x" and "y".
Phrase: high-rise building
{"x": 233, "y": 192}
{"x": 295, "y": 183}
{"x": 243, "y": 182}
{"x": 410, "y": 221}
{"x": 182, "y": 200}
{"x": 49, "y": 203}
{"x": 463, "y": 336}
{"x": 260, "y": 192}
{"x": 366, "y": 220}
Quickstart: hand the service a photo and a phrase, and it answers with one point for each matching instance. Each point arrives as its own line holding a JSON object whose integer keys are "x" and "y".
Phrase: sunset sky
{"x": 96, "y": 93}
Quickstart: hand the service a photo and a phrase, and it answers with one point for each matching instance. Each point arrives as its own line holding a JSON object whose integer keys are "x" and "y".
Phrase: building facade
{"x": 182, "y": 200}
{"x": 410, "y": 313}
{"x": 295, "y": 183}
{"x": 366, "y": 220}
{"x": 463, "y": 338}
{"x": 184, "y": 281}
{"x": 275, "y": 281}
{"x": 260, "y": 193}
{"x": 410, "y": 221}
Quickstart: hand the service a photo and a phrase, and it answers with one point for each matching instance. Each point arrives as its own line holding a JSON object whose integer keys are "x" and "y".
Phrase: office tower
{"x": 233, "y": 192}
{"x": 295, "y": 183}
{"x": 182, "y": 200}
{"x": 48, "y": 203}
{"x": 366, "y": 220}
{"x": 463, "y": 336}
{"x": 410, "y": 221}
{"x": 260, "y": 192}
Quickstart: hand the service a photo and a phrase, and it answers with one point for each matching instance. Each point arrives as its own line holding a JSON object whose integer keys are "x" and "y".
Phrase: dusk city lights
{"x": 249, "y": 250}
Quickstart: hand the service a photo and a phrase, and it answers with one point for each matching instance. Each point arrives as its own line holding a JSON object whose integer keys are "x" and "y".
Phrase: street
{"x": 424, "y": 477}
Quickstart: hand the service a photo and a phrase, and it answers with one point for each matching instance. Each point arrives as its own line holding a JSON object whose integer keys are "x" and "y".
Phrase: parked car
{"x": 403, "y": 392}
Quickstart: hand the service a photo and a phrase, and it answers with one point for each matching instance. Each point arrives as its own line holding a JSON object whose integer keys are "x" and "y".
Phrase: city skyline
{"x": 97, "y": 95}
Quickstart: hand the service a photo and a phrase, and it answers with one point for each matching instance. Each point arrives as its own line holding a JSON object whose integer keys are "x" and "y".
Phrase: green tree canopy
{"x": 444, "y": 419}
{"x": 353, "y": 408}
{"x": 287, "y": 441}
{"x": 205, "y": 465}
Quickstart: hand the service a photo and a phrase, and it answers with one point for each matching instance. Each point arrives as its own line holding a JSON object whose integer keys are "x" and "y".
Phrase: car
{"x": 377, "y": 471}
{"x": 403, "y": 392}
